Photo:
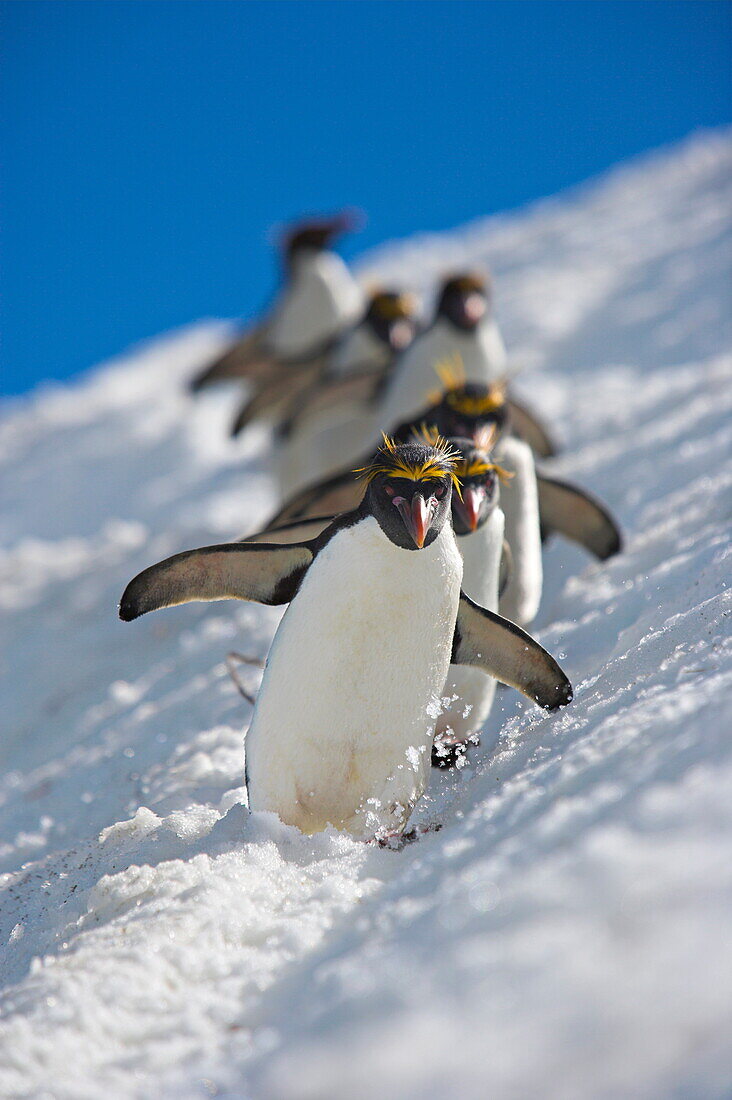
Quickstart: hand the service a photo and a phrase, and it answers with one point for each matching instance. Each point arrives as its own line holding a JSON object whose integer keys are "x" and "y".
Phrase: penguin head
{"x": 410, "y": 489}
{"x": 464, "y": 300}
{"x": 392, "y": 317}
{"x": 479, "y": 479}
{"x": 466, "y": 409}
{"x": 317, "y": 234}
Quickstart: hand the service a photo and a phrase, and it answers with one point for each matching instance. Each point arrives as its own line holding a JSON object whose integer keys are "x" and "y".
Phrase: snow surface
{"x": 567, "y": 933}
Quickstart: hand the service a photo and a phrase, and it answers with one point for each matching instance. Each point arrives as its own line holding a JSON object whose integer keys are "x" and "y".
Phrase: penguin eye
{"x": 389, "y": 490}
{"x": 440, "y": 491}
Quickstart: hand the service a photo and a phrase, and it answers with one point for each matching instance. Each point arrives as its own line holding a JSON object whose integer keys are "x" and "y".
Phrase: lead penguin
{"x": 341, "y": 733}
{"x": 478, "y": 523}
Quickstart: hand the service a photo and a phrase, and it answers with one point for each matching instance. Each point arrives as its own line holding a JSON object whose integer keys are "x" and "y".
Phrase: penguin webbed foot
{"x": 451, "y": 751}
{"x": 395, "y": 842}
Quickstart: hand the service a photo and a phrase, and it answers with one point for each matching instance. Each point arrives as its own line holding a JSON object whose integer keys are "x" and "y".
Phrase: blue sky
{"x": 147, "y": 147}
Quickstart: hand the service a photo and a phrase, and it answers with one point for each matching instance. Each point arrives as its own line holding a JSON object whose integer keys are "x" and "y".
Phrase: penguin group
{"x": 414, "y": 504}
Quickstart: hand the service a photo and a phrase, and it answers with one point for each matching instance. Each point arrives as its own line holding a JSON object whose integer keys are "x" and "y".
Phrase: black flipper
{"x": 284, "y": 387}
{"x": 357, "y": 387}
{"x": 506, "y": 568}
{"x": 244, "y": 360}
{"x": 532, "y": 431}
{"x": 232, "y": 571}
{"x": 578, "y": 516}
{"x": 337, "y": 494}
{"x": 509, "y": 654}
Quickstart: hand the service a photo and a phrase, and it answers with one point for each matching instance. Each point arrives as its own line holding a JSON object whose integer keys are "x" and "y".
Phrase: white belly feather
{"x": 321, "y": 298}
{"x": 481, "y": 552}
{"x": 483, "y": 357}
{"x": 359, "y": 348}
{"x": 341, "y": 733}
{"x": 520, "y": 503}
{"x": 325, "y": 440}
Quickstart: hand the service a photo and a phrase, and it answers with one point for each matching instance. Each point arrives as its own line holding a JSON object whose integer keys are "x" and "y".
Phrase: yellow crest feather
{"x": 392, "y": 305}
{"x": 399, "y": 306}
{"x": 451, "y": 371}
{"x": 435, "y": 467}
{"x": 484, "y": 441}
{"x": 477, "y": 466}
{"x": 426, "y": 433}
{"x": 477, "y": 405}
{"x": 486, "y": 438}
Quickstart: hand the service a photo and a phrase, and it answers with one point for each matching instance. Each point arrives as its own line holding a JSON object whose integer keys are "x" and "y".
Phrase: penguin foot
{"x": 396, "y": 841}
{"x": 451, "y": 751}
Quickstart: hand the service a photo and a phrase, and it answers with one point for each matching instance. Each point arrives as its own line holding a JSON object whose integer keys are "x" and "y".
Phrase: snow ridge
{"x": 566, "y": 933}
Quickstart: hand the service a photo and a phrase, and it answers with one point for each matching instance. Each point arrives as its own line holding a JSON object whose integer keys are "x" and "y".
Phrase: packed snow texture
{"x": 567, "y": 933}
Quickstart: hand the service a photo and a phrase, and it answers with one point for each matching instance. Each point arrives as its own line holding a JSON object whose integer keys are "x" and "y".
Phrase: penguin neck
{"x": 360, "y": 347}
{"x": 481, "y": 553}
{"x": 320, "y": 265}
{"x": 320, "y": 298}
{"x": 481, "y": 348}
{"x": 306, "y": 260}
{"x": 445, "y": 537}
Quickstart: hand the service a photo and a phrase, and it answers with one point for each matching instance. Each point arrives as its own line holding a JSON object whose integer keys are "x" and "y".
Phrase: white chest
{"x": 481, "y": 553}
{"x": 341, "y": 732}
{"x": 320, "y": 299}
{"x": 483, "y": 358}
{"x": 474, "y": 690}
{"x": 520, "y": 503}
{"x": 326, "y": 440}
{"x": 358, "y": 348}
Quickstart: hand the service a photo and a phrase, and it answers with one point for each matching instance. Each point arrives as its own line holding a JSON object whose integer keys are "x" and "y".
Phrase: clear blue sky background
{"x": 147, "y": 147}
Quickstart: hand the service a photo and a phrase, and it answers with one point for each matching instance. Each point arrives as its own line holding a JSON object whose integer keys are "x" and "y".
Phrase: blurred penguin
{"x": 533, "y": 502}
{"x": 316, "y": 401}
{"x": 463, "y": 333}
{"x": 318, "y": 299}
{"x": 463, "y": 326}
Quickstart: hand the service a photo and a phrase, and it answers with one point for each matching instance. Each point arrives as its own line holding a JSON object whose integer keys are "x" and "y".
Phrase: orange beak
{"x": 469, "y": 507}
{"x": 416, "y": 517}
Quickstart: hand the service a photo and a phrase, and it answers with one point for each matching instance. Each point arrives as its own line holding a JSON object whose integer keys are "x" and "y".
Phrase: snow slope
{"x": 566, "y": 934}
